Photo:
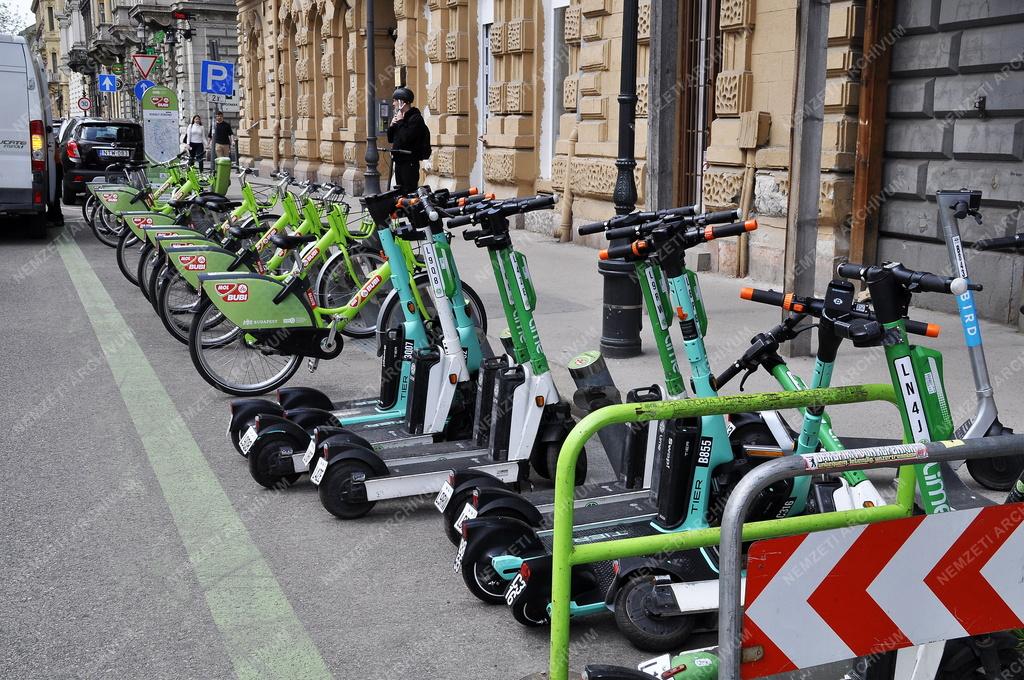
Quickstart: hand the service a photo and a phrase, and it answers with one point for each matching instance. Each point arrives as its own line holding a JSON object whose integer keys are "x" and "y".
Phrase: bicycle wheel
{"x": 88, "y": 205}
{"x": 106, "y": 227}
{"x": 177, "y": 304}
{"x": 129, "y": 250}
{"x": 161, "y": 272}
{"x": 391, "y": 310}
{"x": 229, "y": 360}
{"x": 335, "y": 286}
{"x": 148, "y": 259}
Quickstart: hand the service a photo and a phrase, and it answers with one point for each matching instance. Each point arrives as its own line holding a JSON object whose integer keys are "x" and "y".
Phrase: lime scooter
{"x": 409, "y": 411}
{"x": 525, "y": 419}
{"x": 695, "y": 474}
{"x": 503, "y": 521}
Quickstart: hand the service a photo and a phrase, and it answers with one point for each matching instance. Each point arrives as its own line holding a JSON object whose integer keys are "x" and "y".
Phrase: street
{"x": 136, "y": 543}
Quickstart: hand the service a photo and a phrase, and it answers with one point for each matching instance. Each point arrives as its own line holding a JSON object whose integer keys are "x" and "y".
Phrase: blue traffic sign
{"x": 141, "y": 87}
{"x": 218, "y": 78}
{"x": 107, "y": 82}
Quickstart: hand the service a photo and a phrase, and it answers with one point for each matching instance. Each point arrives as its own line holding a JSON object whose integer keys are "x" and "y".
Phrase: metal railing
{"x": 565, "y": 554}
{"x": 730, "y": 612}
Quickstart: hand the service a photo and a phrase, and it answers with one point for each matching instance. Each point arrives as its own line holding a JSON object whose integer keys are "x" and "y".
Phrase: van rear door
{"x": 15, "y": 151}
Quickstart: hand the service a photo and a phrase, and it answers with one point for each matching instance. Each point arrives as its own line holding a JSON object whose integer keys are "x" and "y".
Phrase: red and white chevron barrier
{"x": 839, "y": 594}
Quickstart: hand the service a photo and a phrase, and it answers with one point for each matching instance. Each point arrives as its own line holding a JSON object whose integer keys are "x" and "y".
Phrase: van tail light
{"x": 73, "y": 151}
{"x": 35, "y": 128}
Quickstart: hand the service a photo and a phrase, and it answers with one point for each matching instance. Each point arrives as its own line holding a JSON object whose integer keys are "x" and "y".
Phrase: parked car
{"x": 28, "y": 186}
{"x": 89, "y": 145}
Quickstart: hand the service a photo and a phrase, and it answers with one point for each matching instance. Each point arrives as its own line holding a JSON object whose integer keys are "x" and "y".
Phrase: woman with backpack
{"x": 409, "y": 138}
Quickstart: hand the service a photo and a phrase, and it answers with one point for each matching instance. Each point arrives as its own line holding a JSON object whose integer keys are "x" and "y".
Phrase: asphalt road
{"x": 135, "y": 543}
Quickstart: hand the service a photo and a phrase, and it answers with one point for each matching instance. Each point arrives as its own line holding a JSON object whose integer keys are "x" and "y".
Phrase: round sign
{"x": 84, "y": 104}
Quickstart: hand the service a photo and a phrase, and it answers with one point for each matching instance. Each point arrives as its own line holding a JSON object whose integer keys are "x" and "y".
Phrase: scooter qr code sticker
{"x": 457, "y": 565}
{"x": 245, "y": 443}
{"x": 318, "y": 472}
{"x": 443, "y": 497}
{"x": 824, "y": 460}
{"x": 308, "y": 455}
{"x": 468, "y": 512}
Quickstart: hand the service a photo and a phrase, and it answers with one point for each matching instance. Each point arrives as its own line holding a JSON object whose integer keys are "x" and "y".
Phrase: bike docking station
{"x": 901, "y": 581}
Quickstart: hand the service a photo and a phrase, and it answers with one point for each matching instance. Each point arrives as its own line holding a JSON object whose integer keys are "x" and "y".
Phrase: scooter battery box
{"x": 634, "y": 451}
{"x": 395, "y": 350}
{"x": 486, "y": 386}
{"x": 419, "y": 390}
{"x": 509, "y": 380}
{"x": 681, "y": 451}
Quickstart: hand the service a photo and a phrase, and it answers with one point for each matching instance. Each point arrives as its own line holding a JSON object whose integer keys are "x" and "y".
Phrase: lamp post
{"x": 620, "y": 327}
{"x": 371, "y": 176}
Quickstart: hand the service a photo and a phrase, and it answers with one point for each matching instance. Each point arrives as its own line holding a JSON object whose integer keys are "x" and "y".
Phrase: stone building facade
{"x": 47, "y": 44}
{"x": 521, "y": 96}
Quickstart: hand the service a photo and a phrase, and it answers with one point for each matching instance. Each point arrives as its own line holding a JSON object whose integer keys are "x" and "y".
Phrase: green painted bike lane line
{"x": 261, "y": 632}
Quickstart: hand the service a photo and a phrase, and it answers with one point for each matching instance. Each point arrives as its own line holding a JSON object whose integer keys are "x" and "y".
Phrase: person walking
{"x": 407, "y": 133}
{"x": 221, "y": 136}
{"x": 195, "y": 136}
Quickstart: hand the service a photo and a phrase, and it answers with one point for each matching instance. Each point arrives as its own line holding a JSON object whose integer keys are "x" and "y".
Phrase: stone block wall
{"x": 956, "y": 119}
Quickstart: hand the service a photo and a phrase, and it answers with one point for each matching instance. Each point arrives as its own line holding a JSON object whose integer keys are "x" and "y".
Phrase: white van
{"x": 28, "y": 183}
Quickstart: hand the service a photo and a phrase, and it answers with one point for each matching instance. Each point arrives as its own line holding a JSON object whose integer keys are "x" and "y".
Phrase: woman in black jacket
{"x": 409, "y": 138}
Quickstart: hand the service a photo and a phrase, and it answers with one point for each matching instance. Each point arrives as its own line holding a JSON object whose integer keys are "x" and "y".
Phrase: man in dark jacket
{"x": 409, "y": 138}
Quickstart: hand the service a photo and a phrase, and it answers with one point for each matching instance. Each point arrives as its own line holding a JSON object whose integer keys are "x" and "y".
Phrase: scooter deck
{"x": 426, "y": 472}
{"x": 609, "y": 521}
{"x": 408, "y": 453}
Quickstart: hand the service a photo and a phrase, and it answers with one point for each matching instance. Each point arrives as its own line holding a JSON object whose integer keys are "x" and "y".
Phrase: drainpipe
{"x": 620, "y": 329}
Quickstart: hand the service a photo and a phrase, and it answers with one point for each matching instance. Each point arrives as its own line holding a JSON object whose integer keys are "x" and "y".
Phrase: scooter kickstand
{"x": 312, "y": 364}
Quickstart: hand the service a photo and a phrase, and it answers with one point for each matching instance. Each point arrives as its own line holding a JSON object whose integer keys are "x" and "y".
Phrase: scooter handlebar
{"x": 719, "y": 217}
{"x": 1015, "y": 241}
{"x": 461, "y": 220}
{"x": 915, "y": 281}
{"x": 728, "y": 374}
{"x": 815, "y": 306}
{"x": 726, "y": 230}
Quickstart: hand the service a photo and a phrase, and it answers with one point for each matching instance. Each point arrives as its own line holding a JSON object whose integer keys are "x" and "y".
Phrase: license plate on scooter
{"x": 457, "y": 565}
{"x": 245, "y": 443}
{"x": 308, "y": 455}
{"x": 443, "y": 497}
{"x": 468, "y": 512}
{"x": 515, "y": 589}
{"x": 318, "y": 472}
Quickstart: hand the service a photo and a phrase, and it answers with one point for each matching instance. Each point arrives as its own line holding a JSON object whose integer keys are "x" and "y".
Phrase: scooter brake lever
{"x": 750, "y": 372}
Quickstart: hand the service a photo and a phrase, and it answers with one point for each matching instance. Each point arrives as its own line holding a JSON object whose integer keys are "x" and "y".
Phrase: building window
{"x": 102, "y": 13}
{"x": 49, "y": 16}
{"x": 53, "y": 62}
{"x": 487, "y": 60}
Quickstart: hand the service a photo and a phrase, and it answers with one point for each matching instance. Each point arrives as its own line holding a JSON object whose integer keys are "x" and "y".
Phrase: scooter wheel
{"x": 482, "y": 580}
{"x": 545, "y": 462}
{"x": 647, "y": 630}
{"x": 265, "y": 457}
{"x": 997, "y": 474}
{"x": 451, "y": 515}
{"x": 529, "y": 615}
{"x": 336, "y": 486}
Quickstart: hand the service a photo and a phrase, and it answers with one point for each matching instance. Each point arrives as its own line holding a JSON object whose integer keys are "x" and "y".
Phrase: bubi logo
{"x": 162, "y": 102}
{"x": 142, "y": 221}
{"x": 167, "y": 233}
{"x": 233, "y": 292}
{"x": 365, "y": 291}
{"x": 109, "y": 198}
{"x": 193, "y": 263}
{"x": 310, "y": 256}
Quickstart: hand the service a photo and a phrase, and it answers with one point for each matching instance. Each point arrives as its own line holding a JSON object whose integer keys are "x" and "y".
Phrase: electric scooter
{"x": 524, "y": 423}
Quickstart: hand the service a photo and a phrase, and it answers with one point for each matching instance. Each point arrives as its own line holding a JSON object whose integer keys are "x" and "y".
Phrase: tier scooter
{"x": 525, "y": 420}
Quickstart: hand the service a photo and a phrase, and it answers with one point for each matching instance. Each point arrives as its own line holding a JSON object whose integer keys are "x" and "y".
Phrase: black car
{"x": 89, "y": 145}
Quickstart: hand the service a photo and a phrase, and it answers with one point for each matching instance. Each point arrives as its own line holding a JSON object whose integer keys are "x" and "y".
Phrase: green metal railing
{"x": 565, "y": 555}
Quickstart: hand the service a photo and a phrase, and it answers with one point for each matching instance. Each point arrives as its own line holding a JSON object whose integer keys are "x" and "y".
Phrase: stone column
{"x": 332, "y": 99}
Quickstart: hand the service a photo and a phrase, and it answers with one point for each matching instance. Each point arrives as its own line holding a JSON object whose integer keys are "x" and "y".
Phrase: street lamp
{"x": 371, "y": 175}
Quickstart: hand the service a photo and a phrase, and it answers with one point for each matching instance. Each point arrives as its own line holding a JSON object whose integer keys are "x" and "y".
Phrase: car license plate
{"x": 443, "y": 497}
{"x": 318, "y": 471}
{"x": 457, "y": 565}
{"x": 468, "y": 512}
{"x": 308, "y": 455}
{"x": 245, "y": 443}
{"x": 515, "y": 589}
{"x": 113, "y": 153}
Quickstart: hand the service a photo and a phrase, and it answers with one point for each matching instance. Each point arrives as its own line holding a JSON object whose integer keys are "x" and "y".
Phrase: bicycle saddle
{"x": 245, "y": 232}
{"x": 286, "y": 241}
